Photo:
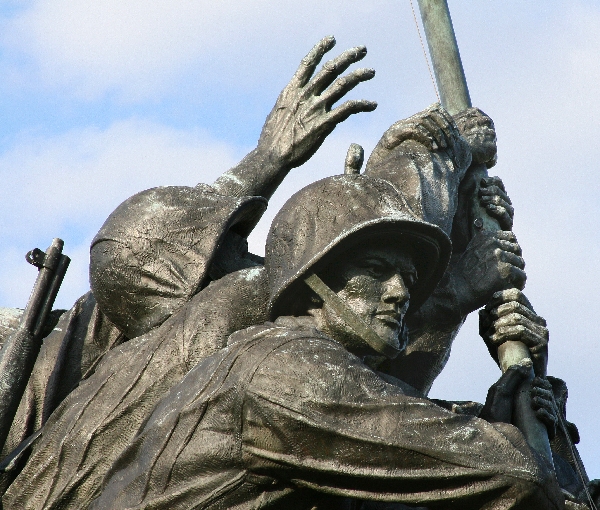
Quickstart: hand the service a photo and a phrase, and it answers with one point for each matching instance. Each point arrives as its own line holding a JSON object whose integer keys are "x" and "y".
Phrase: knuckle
{"x": 516, "y": 294}
{"x": 342, "y": 82}
{"x": 510, "y": 318}
{"x": 329, "y": 66}
{"x": 496, "y": 338}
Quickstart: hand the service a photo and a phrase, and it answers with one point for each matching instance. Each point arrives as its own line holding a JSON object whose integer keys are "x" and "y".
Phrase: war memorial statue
{"x": 198, "y": 375}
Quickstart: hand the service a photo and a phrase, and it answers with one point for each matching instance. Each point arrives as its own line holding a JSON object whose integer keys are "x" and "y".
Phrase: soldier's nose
{"x": 395, "y": 291}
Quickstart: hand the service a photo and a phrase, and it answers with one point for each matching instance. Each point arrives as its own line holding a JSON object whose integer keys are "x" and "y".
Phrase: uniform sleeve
{"x": 316, "y": 416}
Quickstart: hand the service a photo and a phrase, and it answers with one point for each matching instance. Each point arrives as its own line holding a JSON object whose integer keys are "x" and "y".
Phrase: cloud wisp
{"x": 67, "y": 185}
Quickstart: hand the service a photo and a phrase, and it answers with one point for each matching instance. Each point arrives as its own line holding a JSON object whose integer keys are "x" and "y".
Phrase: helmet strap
{"x": 360, "y": 327}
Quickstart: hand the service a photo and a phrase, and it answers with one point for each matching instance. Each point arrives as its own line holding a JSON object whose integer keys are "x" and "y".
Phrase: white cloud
{"x": 137, "y": 48}
{"x": 67, "y": 185}
{"x": 98, "y": 46}
{"x": 85, "y": 173}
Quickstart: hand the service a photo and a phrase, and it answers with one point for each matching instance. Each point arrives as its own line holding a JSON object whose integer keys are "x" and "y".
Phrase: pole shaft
{"x": 454, "y": 95}
{"x": 445, "y": 56}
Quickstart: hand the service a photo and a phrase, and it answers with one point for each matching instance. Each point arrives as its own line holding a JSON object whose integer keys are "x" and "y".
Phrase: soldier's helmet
{"x": 153, "y": 252}
{"x": 328, "y": 217}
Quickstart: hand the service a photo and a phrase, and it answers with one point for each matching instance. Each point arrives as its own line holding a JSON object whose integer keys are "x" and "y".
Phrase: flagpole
{"x": 454, "y": 95}
{"x": 445, "y": 56}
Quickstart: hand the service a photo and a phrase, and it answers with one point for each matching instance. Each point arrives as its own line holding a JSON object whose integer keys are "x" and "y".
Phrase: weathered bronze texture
{"x": 198, "y": 375}
{"x": 454, "y": 93}
{"x": 19, "y": 351}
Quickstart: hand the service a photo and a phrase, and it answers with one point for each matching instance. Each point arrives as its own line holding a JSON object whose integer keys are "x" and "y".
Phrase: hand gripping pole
{"x": 454, "y": 94}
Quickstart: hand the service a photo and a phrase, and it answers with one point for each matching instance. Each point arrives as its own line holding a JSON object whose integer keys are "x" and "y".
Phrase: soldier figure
{"x": 172, "y": 280}
{"x": 163, "y": 246}
{"x": 295, "y": 414}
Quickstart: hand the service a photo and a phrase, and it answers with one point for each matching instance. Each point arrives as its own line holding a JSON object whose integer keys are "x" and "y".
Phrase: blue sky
{"x": 99, "y": 100}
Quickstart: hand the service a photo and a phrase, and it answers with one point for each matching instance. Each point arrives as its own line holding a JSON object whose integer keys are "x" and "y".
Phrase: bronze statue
{"x": 196, "y": 235}
{"x": 172, "y": 344}
{"x": 291, "y": 415}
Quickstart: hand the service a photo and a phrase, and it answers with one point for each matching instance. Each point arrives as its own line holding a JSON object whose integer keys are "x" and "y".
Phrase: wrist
{"x": 258, "y": 174}
{"x": 462, "y": 293}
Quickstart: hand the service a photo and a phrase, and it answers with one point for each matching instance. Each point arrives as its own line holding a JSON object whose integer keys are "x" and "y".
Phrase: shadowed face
{"x": 375, "y": 284}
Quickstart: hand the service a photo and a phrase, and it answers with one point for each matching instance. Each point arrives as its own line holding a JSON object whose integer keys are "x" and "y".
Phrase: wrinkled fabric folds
{"x": 289, "y": 415}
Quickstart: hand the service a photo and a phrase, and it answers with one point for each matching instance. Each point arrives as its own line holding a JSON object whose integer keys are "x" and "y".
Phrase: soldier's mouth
{"x": 390, "y": 317}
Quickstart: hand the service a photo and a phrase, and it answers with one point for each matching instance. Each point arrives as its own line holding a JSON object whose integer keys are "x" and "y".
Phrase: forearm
{"x": 258, "y": 174}
{"x": 407, "y": 450}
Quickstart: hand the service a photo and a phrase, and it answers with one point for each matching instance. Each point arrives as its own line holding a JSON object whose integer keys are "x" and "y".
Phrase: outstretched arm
{"x": 301, "y": 119}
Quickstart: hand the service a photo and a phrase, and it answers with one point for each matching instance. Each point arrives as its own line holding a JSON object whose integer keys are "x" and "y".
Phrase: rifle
{"x": 454, "y": 95}
{"x": 19, "y": 353}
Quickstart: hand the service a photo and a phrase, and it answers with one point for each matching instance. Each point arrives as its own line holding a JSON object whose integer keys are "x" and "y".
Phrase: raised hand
{"x": 303, "y": 115}
{"x": 510, "y": 316}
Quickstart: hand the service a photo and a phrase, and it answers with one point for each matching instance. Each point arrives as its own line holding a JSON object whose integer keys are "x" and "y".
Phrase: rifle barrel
{"x": 19, "y": 352}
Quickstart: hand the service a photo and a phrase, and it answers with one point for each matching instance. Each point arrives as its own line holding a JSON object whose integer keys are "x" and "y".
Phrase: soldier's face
{"x": 375, "y": 283}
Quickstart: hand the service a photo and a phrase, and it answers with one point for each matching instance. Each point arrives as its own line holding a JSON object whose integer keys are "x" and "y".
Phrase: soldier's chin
{"x": 389, "y": 334}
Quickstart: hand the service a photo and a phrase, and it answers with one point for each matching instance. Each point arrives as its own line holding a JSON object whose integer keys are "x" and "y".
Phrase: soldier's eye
{"x": 375, "y": 269}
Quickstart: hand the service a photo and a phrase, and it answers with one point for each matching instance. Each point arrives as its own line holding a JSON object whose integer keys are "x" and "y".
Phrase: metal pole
{"x": 454, "y": 95}
{"x": 445, "y": 56}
